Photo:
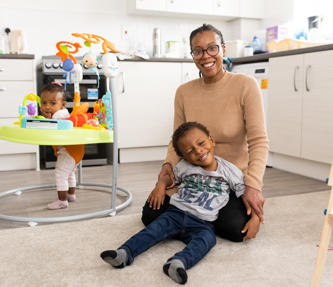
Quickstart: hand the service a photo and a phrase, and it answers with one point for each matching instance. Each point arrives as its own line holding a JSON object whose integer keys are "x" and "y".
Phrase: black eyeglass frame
{"x": 206, "y": 50}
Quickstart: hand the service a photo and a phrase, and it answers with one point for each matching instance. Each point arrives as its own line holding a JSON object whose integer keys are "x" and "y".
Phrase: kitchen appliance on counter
{"x": 260, "y": 72}
{"x": 49, "y": 70}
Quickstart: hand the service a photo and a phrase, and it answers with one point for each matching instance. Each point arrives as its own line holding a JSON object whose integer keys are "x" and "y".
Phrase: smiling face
{"x": 51, "y": 102}
{"x": 210, "y": 66}
{"x": 198, "y": 149}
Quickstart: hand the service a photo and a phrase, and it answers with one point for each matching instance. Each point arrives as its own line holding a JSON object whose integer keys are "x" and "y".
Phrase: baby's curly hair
{"x": 55, "y": 87}
{"x": 182, "y": 130}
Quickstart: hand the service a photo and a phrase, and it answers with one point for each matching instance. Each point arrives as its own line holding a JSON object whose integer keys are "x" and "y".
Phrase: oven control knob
{"x": 55, "y": 65}
{"x": 60, "y": 65}
{"x": 48, "y": 65}
{"x": 99, "y": 66}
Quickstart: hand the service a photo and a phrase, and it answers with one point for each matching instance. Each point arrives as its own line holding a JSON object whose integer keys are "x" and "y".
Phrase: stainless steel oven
{"x": 50, "y": 70}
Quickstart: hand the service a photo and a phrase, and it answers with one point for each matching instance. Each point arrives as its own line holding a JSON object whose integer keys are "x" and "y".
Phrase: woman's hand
{"x": 254, "y": 200}
{"x": 251, "y": 227}
{"x": 156, "y": 197}
{"x": 167, "y": 171}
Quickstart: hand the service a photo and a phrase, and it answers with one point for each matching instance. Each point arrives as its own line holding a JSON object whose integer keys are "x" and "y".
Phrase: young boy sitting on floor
{"x": 205, "y": 182}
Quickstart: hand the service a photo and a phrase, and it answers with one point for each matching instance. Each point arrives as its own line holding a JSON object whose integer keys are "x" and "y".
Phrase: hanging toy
{"x": 68, "y": 60}
{"x": 95, "y": 39}
{"x": 91, "y": 61}
{"x": 68, "y": 66}
{"x": 110, "y": 69}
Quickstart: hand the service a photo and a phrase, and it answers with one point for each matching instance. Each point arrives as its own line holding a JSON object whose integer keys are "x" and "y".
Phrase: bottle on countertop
{"x": 157, "y": 43}
{"x": 256, "y": 45}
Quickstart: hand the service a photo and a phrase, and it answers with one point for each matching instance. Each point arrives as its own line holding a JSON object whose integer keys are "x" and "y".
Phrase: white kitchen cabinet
{"x": 144, "y": 5}
{"x": 145, "y": 109}
{"x": 254, "y": 9}
{"x": 300, "y": 106}
{"x": 284, "y": 113}
{"x": 317, "y": 120}
{"x": 189, "y": 6}
{"x": 16, "y": 81}
{"x": 225, "y": 8}
{"x": 189, "y": 72}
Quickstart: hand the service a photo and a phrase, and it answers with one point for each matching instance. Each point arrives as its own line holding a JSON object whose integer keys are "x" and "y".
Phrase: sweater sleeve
{"x": 179, "y": 118}
{"x": 256, "y": 134}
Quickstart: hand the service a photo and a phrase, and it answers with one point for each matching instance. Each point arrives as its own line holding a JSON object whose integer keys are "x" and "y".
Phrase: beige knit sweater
{"x": 232, "y": 110}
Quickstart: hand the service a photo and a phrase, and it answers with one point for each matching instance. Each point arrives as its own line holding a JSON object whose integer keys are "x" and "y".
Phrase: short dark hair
{"x": 182, "y": 130}
{"x": 206, "y": 27}
{"x": 54, "y": 87}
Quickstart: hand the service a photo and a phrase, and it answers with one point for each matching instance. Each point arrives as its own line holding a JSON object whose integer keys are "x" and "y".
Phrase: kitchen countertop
{"x": 265, "y": 57}
{"x": 17, "y": 56}
{"x": 177, "y": 60}
{"x": 244, "y": 60}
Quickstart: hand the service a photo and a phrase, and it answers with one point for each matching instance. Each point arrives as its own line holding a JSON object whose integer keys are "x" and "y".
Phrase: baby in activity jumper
{"x": 204, "y": 183}
{"x": 53, "y": 106}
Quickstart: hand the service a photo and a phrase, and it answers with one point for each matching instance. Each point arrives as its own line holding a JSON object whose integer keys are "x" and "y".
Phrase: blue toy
{"x": 50, "y": 124}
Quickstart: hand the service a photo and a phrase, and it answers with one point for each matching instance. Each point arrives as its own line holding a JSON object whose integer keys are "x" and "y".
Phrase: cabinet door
{"x": 16, "y": 70}
{"x": 252, "y": 9}
{"x": 189, "y": 72}
{"x": 154, "y": 5}
{"x": 11, "y": 95}
{"x": 317, "y": 133}
{"x": 12, "y": 147}
{"x": 145, "y": 110}
{"x": 189, "y": 6}
{"x": 225, "y": 7}
{"x": 284, "y": 112}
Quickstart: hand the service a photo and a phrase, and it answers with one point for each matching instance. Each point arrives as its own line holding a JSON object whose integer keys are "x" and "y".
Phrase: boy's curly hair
{"x": 182, "y": 130}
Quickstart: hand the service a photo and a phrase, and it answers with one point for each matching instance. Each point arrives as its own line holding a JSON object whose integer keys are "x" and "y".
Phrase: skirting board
{"x": 312, "y": 169}
{"x": 142, "y": 154}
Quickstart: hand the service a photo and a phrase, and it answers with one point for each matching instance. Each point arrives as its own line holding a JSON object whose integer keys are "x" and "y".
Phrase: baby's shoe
{"x": 71, "y": 197}
{"x": 58, "y": 204}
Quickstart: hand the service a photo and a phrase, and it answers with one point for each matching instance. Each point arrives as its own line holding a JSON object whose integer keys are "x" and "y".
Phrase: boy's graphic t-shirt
{"x": 203, "y": 193}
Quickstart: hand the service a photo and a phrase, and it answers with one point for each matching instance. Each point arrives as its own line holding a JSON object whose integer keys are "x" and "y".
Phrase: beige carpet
{"x": 67, "y": 254}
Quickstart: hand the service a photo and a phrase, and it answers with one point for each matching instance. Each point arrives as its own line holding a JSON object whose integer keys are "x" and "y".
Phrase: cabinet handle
{"x": 2, "y": 89}
{"x": 123, "y": 80}
{"x": 307, "y": 78}
{"x": 2, "y": 69}
{"x": 295, "y": 71}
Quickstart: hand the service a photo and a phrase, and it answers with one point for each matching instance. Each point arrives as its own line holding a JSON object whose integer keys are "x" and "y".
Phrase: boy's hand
{"x": 251, "y": 227}
{"x": 156, "y": 197}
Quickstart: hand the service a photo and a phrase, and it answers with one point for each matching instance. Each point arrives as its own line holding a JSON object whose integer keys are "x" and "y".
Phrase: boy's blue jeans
{"x": 174, "y": 223}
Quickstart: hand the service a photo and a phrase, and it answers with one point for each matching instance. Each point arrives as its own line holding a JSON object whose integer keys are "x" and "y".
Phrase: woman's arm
{"x": 179, "y": 118}
{"x": 156, "y": 197}
{"x": 257, "y": 146}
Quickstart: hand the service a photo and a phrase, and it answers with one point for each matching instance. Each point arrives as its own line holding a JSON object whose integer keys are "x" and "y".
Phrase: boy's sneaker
{"x": 71, "y": 197}
{"x": 58, "y": 204}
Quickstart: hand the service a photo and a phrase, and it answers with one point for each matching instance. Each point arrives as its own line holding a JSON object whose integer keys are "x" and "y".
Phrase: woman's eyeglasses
{"x": 211, "y": 51}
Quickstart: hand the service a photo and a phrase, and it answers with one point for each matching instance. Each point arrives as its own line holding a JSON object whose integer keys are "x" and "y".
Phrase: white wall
{"x": 45, "y": 22}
